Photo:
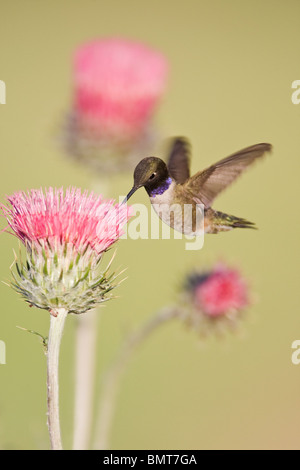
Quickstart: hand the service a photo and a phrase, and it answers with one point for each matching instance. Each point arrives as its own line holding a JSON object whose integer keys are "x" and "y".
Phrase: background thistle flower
{"x": 207, "y": 301}
{"x": 117, "y": 86}
{"x": 214, "y": 298}
{"x": 65, "y": 236}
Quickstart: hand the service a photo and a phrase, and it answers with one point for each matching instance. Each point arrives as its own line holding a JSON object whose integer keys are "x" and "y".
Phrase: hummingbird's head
{"x": 151, "y": 173}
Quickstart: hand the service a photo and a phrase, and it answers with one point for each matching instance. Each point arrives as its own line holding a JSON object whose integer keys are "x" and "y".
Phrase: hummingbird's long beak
{"x": 131, "y": 192}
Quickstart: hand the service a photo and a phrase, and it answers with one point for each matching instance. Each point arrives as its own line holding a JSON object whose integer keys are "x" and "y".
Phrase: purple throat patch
{"x": 162, "y": 188}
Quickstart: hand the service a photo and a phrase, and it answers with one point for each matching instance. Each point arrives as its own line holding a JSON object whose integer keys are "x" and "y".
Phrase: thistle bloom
{"x": 65, "y": 235}
{"x": 117, "y": 86}
{"x": 215, "y": 296}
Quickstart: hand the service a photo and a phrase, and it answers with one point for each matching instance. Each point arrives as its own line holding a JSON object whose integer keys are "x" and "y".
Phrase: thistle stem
{"x": 86, "y": 339}
{"x": 85, "y": 358}
{"x": 57, "y": 321}
{"x": 112, "y": 380}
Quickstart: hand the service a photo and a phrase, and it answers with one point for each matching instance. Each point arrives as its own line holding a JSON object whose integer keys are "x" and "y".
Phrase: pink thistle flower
{"x": 224, "y": 291}
{"x": 117, "y": 86}
{"x": 216, "y": 296}
{"x": 65, "y": 235}
{"x": 79, "y": 219}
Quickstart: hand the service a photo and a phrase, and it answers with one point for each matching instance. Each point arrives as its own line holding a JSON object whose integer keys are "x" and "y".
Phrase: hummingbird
{"x": 171, "y": 188}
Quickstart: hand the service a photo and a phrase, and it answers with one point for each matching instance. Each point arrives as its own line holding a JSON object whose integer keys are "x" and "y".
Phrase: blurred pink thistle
{"x": 223, "y": 291}
{"x": 217, "y": 295}
{"x": 118, "y": 84}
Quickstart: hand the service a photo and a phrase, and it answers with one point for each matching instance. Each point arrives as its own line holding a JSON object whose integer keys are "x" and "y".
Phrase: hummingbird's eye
{"x": 152, "y": 176}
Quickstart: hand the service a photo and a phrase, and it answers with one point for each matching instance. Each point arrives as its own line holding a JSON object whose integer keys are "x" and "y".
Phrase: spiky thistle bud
{"x": 65, "y": 236}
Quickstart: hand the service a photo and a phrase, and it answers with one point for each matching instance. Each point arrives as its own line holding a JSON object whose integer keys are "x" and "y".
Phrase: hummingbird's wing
{"x": 179, "y": 160}
{"x": 207, "y": 184}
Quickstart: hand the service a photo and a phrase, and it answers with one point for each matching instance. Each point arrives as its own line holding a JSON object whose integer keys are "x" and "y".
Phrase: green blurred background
{"x": 232, "y": 65}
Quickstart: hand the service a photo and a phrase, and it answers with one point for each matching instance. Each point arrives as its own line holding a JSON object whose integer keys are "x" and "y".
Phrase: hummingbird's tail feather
{"x": 224, "y": 222}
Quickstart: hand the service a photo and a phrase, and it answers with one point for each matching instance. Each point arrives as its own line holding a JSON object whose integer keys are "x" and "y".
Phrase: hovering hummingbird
{"x": 170, "y": 187}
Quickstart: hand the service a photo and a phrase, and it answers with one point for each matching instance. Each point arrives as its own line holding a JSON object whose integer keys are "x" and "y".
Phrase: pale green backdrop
{"x": 232, "y": 66}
